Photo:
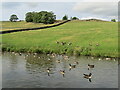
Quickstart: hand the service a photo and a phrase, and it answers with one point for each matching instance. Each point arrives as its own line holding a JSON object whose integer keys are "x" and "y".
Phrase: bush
{"x": 74, "y": 18}
{"x": 65, "y": 17}
{"x": 113, "y": 20}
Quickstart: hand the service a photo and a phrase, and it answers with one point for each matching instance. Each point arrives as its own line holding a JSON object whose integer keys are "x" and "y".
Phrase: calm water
{"x": 29, "y": 71}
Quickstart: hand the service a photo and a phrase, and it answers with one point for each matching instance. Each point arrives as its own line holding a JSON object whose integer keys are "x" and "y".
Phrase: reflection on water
{"x": 58, "y": 71}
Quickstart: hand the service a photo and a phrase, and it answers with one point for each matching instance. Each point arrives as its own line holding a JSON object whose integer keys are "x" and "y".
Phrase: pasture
{"x": 72, "y": 38}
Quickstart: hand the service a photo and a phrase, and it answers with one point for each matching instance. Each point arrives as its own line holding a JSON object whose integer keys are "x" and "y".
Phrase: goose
{"x": 71, "y": 66}
{"x": 48, "y": 71}
{"x": 58, "y": 61}
{"x": 90, "y": 44}
{"x": 76, "y": 62}
{"x": 69, "y": 43}
{"x": 20, "y": 54}
{"x": 97, "y": 44}
{"x": 66, "y": 57}
{"x": 49, "y": 59}
{"x": 88, "y": 76}
{"x": 99, "y": 59}
{"x": 90, "y": 66}
{"x": 62, "y": 72}
{"x": 57, "y": 42}
{"x": 108, "y": 58}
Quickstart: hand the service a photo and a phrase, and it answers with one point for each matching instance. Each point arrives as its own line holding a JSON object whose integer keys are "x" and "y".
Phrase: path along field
{"x": 87, "y": 38}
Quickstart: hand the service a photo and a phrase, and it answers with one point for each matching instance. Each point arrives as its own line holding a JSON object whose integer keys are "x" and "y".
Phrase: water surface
{"x": 29, "y": 71}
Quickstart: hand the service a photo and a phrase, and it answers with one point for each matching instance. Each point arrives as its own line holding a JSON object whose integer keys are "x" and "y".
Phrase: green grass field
{"x": 79, "y": 33}
{"x": 7, "y": 25}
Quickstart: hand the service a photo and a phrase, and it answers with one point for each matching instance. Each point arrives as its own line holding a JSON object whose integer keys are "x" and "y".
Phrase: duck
{"x": 99, "y": 59}
{"x": 71, "y": 66}
{"x": 62, "y": 72}
{"x": 48, "y": 71}
{"x": 88, "y": 76}
{"x": 58, "y": 61}
{"x": 66, "y": 57}
{"x": 108, "y": 58}
{"x": 90, "y": 66}
{"x": 69, "y": 43}
{"x": 20, "y": 54}
{"x": 90, "y": 44}
{"x": 57, "y": 42}
{"x": 76, "y": 62}
{"x": 49, "y": 59}
{"x": 97, "y": 44}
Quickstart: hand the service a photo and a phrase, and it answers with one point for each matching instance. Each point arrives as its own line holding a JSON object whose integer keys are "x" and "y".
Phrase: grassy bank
{"x": 7, "y": 25}
{"x": 74, "y": 38}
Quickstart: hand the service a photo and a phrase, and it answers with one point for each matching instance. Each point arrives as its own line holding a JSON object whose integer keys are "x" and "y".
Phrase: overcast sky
{"x": 82, "y": 10}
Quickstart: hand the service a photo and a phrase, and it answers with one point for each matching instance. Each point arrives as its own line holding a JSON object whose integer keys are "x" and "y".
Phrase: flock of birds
{"x": 71, "y": 66}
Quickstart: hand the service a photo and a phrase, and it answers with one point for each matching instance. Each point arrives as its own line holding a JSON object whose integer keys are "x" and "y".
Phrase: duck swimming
{"x": 90, "y": 66}
{"x": 58, "y": 61}
{"x": 62, "y": 72}
{"x": 76, "y": 62}
{"x": 48, "y": 71}
{"x": 71, "y": 66}
{"x": 88, "y": 76}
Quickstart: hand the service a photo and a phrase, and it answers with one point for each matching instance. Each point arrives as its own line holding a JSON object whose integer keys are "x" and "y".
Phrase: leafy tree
{"x": 75, "y": 18}
{"x": 65, "y": 17}
{"x": 48, "y": 17}
{"x": 13, "y": 18}
{"x": 41, "y": 17}
{"x": 113, "y": 20}
{"x": 29, "y": 16}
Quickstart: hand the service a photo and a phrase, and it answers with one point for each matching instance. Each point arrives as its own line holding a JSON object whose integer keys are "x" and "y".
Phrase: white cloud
{"x": 101, "y": 0}
{"x": 60, "y": 0}
{"x": 94, "y": 18}
{"x": 103, "y": 9}
{"x": 32, "y": 4}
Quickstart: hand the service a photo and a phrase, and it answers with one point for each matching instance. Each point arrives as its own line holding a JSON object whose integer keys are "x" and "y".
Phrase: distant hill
{"x": 93, "y": 20}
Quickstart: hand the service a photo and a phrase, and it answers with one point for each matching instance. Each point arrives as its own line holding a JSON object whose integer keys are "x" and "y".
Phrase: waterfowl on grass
{"x": 90, "y": 44}
{"x": 57, "y": 42}
{"x": 88, "y": 76}
{"x": 69, "y": 43}
{"x": 97, "y": 44}
{"x": 90, "y": 66}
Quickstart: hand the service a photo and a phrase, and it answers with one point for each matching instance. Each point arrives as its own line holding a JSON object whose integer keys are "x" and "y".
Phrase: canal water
{"x": 31, "y": 71}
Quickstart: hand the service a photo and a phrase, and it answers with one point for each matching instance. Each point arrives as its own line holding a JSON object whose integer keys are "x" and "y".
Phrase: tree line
{"x": 43, "y": 17}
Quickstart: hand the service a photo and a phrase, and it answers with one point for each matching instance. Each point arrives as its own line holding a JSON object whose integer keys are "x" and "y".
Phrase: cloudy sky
{"x": 83, "y": 9}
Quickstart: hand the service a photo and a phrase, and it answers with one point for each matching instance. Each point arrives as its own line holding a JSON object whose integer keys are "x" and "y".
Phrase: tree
{"x": 41, "y": 17}
{"x": 29, "y": 16}
{"x": 13, "y": 18}
{"x": 47, "y": 17}
{"x": 65, "y": 17}
{"x": 75, "y": 18}
{"x": 113, "y": 20}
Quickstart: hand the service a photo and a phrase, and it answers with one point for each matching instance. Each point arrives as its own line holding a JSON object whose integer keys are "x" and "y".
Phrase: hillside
{"x": 75, "y": 37}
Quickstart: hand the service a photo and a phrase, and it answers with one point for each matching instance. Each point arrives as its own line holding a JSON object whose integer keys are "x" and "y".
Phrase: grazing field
{"x": 7, "y": 25}
{"x": 73, "y": 38}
